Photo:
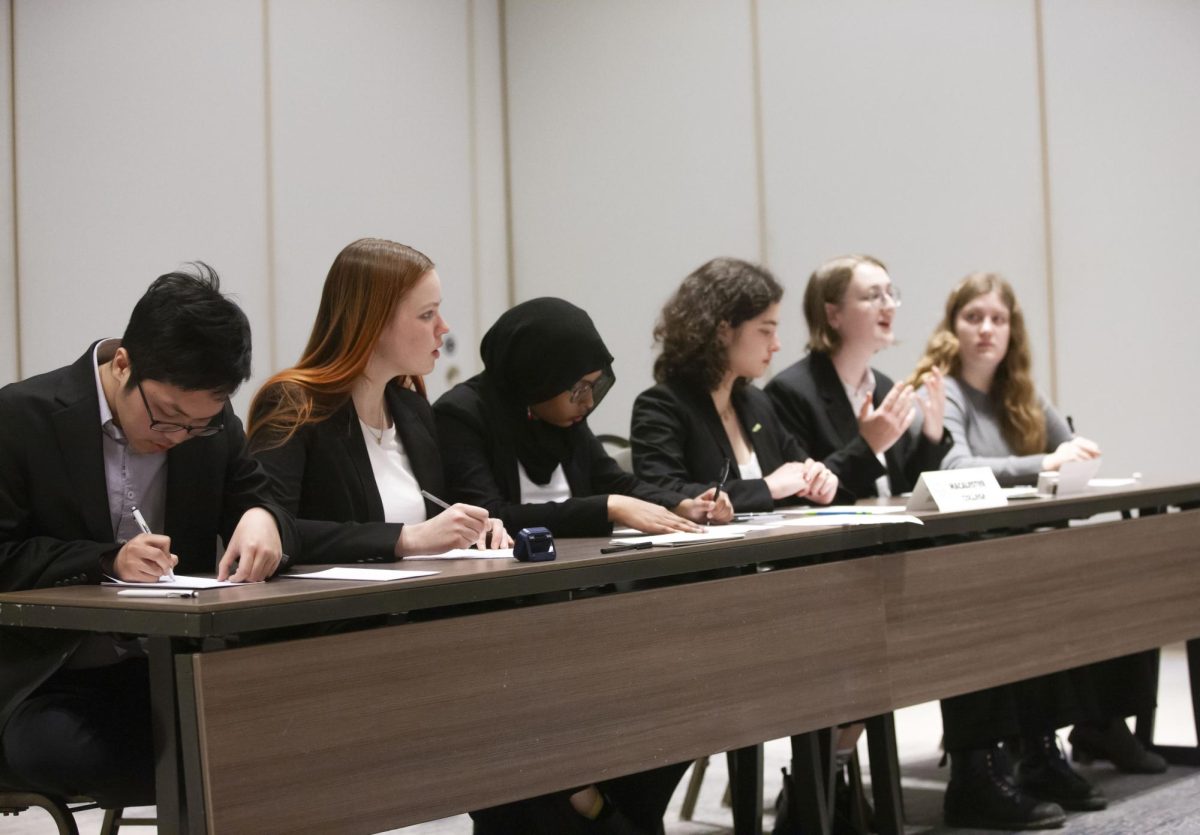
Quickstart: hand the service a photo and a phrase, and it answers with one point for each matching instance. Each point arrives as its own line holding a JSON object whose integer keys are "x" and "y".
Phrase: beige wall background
{"x": 601, "y": 150}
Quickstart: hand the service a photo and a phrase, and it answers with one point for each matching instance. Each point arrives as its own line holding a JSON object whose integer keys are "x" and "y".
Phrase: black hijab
{"x": 536, "y": 351}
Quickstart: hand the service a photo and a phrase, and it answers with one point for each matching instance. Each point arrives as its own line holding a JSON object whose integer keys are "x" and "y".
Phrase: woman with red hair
{"x": 347, "y": 432}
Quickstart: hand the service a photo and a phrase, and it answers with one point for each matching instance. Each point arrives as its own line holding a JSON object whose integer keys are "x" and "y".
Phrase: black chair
{"x": 63, "y": 810}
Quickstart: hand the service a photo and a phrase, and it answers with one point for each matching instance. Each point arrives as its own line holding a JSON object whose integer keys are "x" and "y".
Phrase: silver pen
{"x": 141, "y": 523}
{"x": 435, "y": 500}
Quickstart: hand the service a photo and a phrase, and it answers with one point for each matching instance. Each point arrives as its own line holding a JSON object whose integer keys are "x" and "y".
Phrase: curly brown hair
{"x": 1022, "y": 420}
{"x": 723, "y": 290}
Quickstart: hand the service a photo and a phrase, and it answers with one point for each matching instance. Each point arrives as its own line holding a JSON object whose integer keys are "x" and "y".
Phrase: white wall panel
{"x": 632, "y": 159}
{"x": 1124, "y": 129}
{"x": 140, "y": 144}
{"x": 371, "y": 118}
{"x": 908, "y": 131}
{"x": 9, "y": 366}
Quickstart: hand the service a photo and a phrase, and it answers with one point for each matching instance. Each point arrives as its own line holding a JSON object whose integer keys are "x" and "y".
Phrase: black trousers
{"x": 1105, "y": 690}
{"x": 84, "y": 732}
{"x": 642, "y": 798}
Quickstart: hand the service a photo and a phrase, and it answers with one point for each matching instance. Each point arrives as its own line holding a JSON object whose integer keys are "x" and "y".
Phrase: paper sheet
{"x": 467, "y": 554}
{"x": 181, "y": 582}
{"x": 374, "y": 575}
{"x": 715, "y": 534}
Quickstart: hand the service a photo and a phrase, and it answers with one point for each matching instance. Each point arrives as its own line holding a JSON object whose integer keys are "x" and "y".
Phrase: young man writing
{"x": 142, "y": 422}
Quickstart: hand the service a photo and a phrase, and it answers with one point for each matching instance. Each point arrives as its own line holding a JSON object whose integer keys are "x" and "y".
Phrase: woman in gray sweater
{"x": 998, "y": 420}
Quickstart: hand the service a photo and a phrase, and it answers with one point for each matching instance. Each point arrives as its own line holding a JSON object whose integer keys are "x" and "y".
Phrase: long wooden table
{"x": 505, "y": 680}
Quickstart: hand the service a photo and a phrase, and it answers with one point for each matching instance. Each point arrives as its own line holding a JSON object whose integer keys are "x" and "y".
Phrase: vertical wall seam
{"x": 473, "y": 167}
{"x": 506, "y": 140}
{"x": 1048, "y": 223}
{"x": 760, "y": 162}
{"x": 269, "y": 183}
{"x": 16, "y": 238}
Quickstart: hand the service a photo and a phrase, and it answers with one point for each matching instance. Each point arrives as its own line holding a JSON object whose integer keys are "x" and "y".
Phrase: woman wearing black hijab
{"x": 515, "y": 438}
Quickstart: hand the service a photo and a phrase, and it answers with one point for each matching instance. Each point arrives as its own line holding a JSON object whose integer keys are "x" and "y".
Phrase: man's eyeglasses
{"x": 878, "y": 295}
{"x": 596, "y": 389}
{"x": 166, "y": 426}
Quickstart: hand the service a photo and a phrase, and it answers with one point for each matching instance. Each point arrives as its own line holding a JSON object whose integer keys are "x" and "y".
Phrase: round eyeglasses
{"x": 880, "y": 296}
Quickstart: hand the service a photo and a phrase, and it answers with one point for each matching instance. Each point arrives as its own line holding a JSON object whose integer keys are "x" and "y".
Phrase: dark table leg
{"x": 168, "y": 785}
{"x": 812, "y": 779}
{"x": 746, "y": 782}
{"x": 885, "y": 774}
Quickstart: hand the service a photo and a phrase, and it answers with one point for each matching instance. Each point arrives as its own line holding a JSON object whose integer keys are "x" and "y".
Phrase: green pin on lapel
{"x": 756, "y": 427}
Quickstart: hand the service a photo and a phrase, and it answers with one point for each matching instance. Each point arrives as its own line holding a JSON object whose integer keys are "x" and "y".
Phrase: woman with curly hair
{"x": 993, "y": 413}
{"x": 997, "y": 420}
{"x": 704, "y": 421}
{"x": 848, "y": 415}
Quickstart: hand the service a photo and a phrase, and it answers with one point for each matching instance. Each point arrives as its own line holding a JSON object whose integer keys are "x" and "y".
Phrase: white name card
{"x": 947, "y": 491}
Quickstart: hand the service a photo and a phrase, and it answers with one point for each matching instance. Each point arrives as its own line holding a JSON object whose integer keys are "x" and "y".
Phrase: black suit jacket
{"x": 679, "y": 442}
{"x": 323, "y": 476}
{"x": 481, "y": 469}
{"x": 54, "y": 518}
{"x": 811, "y": 403}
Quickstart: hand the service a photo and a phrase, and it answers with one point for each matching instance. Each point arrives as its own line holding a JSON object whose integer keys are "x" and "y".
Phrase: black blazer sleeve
{"x": 481, "y": 469}
{"x": 813, "y": 408}
{"x": 314, "y": 477}
{"x": 676, "y": 446}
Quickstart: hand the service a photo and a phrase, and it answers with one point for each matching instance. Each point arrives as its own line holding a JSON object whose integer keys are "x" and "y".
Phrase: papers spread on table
{"x": 717, "y": 533}
{"x": 1111, "y": 482}
{"x": 842, "y": 509}
{"x": 827, "y": 519}
{"x": 467, "y": 554}
{"x": 374, "y": 575}
{"x": 180, "y": 582}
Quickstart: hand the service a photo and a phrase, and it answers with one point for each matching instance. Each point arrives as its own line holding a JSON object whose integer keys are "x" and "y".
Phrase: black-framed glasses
{"x": 597, "y": 389}
{"x": 168, "y": 427}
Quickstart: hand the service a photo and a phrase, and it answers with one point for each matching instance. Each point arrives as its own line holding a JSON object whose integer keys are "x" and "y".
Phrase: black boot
{"x": 983, "y": 795}
{"x": 1113, "y": 741}
{"x": 1045, "y": 773}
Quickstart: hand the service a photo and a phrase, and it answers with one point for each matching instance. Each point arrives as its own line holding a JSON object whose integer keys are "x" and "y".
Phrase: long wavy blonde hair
{"x": 1022, "y": 420}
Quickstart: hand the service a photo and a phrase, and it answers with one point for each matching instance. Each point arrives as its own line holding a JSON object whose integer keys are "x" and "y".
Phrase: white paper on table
{"x": 837, "y": 509}
{"x": 716, "y": 535}
{"x": 467, "y": 554}
{"x": 180, "y": 582}
{"x": 1111, "y": 482}
{"x": 374, "y": 575}
{"x": 833, "y": 520}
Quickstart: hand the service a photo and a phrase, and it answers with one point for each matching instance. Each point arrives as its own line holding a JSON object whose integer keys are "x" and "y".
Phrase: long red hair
{"x": 366, "y": 282}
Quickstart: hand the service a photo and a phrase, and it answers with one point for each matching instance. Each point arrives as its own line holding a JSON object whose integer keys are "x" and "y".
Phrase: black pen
{"x": 1071, "y": 424}
{"x": 628, "y": 546}
{"x": 724, "y": 477}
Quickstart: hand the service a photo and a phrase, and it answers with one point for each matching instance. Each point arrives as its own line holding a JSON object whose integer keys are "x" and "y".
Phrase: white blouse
{"x": 398, "y": 487}
{"x": 556, "y": 490}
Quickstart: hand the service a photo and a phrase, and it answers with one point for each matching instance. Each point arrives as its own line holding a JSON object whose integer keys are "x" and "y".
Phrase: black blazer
{"x": 811, "y": 403}
{"x": 323, "y": 475}
{"x": 54, "y": 519}
{"x": 481, "y": 469}
{"x": 679, "y": 442}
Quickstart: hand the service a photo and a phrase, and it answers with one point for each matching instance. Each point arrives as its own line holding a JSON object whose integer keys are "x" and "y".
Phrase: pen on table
{"x": 628, "y": 546}
{"x": 157, "y": 593}
{"x": 141, "y": 523}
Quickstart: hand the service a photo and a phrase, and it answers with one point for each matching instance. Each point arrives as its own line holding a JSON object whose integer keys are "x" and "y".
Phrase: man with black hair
{"x": 141, "y": 422}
